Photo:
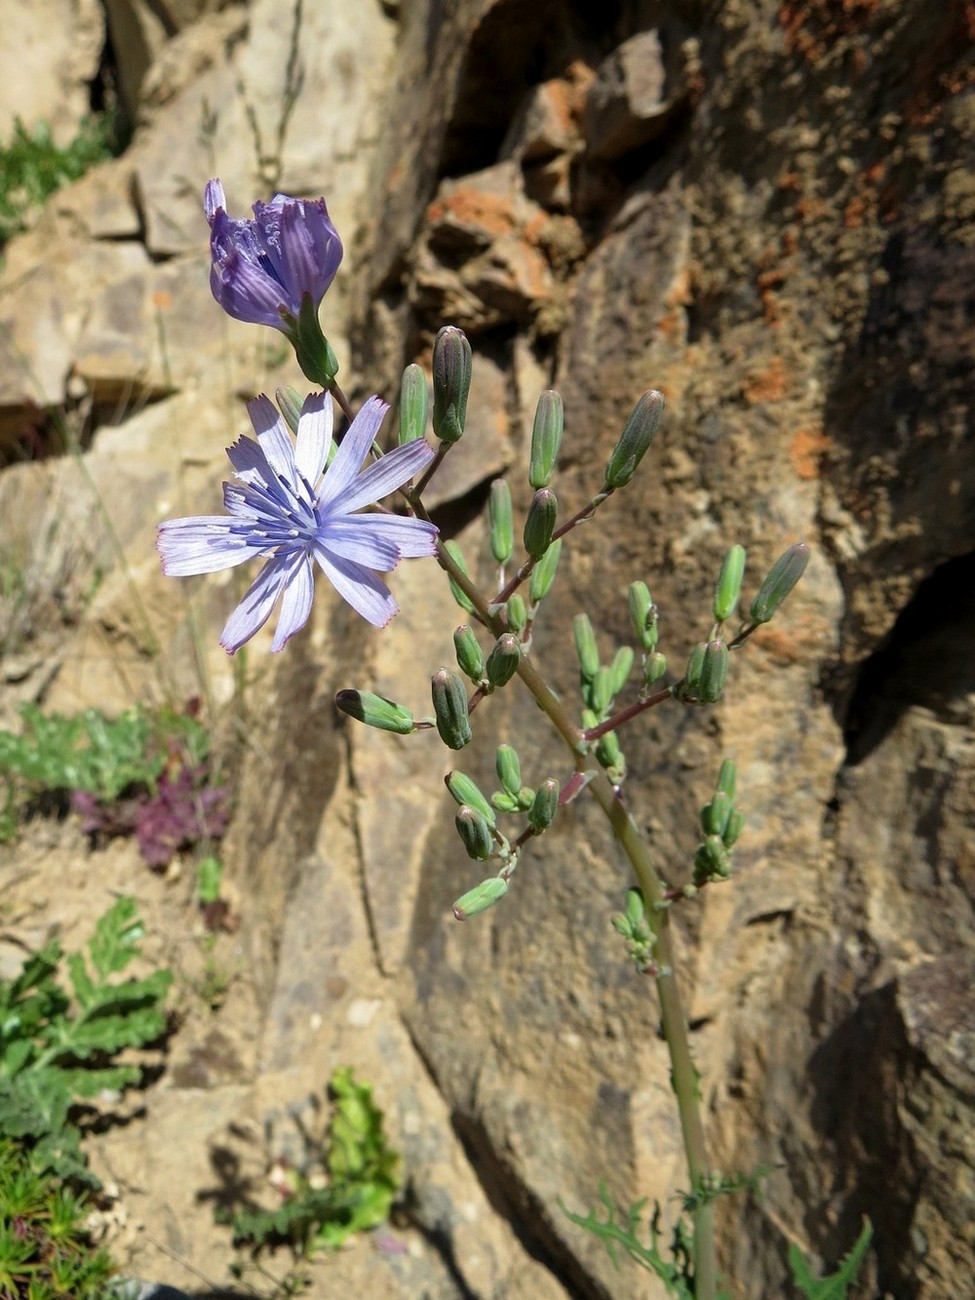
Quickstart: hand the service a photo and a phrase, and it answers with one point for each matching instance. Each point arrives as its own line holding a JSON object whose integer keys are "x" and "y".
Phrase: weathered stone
{"x": 48, "y": 59}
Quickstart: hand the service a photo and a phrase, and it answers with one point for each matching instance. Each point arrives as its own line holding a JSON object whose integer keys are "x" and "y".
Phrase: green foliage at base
{"x": 32, "y": 167}
{"x": 45, "y": 1252}
{"x": 59, "y": 1047}
{"x": 836, "y": 1286}
{"x": 346, "y": 1185}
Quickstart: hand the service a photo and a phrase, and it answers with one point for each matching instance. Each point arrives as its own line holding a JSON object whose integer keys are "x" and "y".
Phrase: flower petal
{"x": 296, "y": 603}
{"x": 314, "y": 437}
{"x": 352, "y": 451}
{"x": 204, "y": 544}
{"x": 241, "y": 286}
{"x": 213, "y": 199}
{"x": 274, "y": 439}
{"x": 367, "y": 594}
{"x": 408, "y": 538}
{"x": 250, "y": 462}
{"x": 255, "y": 609}
{"x": 310, "y": 248}
{"x": 386, "y": 475}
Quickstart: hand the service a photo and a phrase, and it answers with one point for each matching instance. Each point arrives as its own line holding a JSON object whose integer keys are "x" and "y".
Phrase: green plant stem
{"x": 684, "y": 1074}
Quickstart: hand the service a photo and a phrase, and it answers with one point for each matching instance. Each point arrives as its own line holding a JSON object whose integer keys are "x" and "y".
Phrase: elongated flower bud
{"x": 502, "y": 526}
{"x": 735, "y": 826}
{"x": 635, "y": 439}
{"x": 643, "y": 615}
{"x": 413, "y": 401}
{"x": 289, "y": 402}
{"x": 608, "y": 751}
{"x": 692, "y": 673}
{"x": 546, "y": 438}
{"x": 540, "y": 522}
{"x": 728, "y": 590}
{"x": 781, "y": 578}
{"x": 504, "y": 802}
{"x": 480, "y": 898}
{"x": 727, "y": 777}
{"x": 711, "y": 862}
{"x": 714, "y": 815}
{"x": 601, "y": 689}
{"x": 470, "y": 657}
{"x": 450, "y": 709}
{"x": 516, "y": 612}
{"x": 508, "y": 766}
{"x": 586, "y": 648}
{"x": 465, "y": 790}
{"x": 453, "y": 364}
{"x": 714, "y": 670}
{"x": 502, "y": 662}
{"x": 619, "y": 669}
{"x": 543, "y": 574}
{"x": 461, "y": 597}
{"x": 654, "y": 667}
{"x": 475, "y": 832}
{"x": 375, "y": 711}
{"x": 544, "y": 806}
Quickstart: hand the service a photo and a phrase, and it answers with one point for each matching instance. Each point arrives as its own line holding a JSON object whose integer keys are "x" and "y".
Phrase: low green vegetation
{"x": 32, "y": 167}
{"x": 346, "y": 1185}
{"x": 60, "y": 1044}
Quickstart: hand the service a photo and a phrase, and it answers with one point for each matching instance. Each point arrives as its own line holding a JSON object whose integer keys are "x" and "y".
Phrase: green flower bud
{"x": 290, "y": 402}
{"x": 455, "y": 553}
{"x": 608, "y": 751}
{"x": 453, "y": 364}
{"x": 620, "y": 924}
{"x": 635, "y": 439}
{"x": 480, "y": 898}
{"x": 450, "y": 709}
{"x": 540, "y": 522}
{"x": 413, "y": 401}
{"x": 727, "y": 777}
{"x": 465, "y": 790}
{"x": 714, "y": 670}
{"x": 470, "y": 658}
{"x": 734, "y": 828}
{"x": 586, "y": 648}
{"x": 728, "y": 590}
{"x": 502, "y": 662}
{"x": 589, "y": 719}
{"x": 714, "y": 815}
{"x": 620, "y": 668}
{"x": 711, "y": 862}
{"x": 526, "y": 797}
{"x": 504, "y": 802}
{"x": 508, "y": 767}
{"x": 546, "y": 439}
{"x": 544, "y": 806}
{"x": 543, "y": 574}
{"x": 502, "y": 526}
{"x": 601, "y": 690}
{"x": 515, "y": 612}
{"x": 782, "y": 577}
{"x": 313, "y": 351}
{"x": 654, "y": 667}
{"x": 375, "y": 711}
{"x": 692, "y": 673}
{"x": 643, "y": 615}
{"x": 475, "y": 832}
{"x": 636, "y": 912}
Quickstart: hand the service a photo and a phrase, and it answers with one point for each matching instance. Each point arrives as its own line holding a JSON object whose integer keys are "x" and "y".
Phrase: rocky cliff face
{"x": 764, "y": 209}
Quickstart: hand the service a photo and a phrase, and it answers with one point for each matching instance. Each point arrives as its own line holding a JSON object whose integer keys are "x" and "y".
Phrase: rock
{"x": 48, "y": 61}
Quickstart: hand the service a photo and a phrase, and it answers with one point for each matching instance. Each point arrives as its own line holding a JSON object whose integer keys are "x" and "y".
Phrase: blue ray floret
{"x": 287, "y": 508}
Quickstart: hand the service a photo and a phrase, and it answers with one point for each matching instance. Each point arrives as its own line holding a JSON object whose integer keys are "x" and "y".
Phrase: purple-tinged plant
{"x": 281, "y": 511}
{"x": 275, "y": 270}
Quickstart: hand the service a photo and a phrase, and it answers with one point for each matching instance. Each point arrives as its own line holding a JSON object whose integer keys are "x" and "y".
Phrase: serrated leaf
{"x": 81, "y": 981}
{"x": 837, "y": 1284}
{"x": 115, "y": 941}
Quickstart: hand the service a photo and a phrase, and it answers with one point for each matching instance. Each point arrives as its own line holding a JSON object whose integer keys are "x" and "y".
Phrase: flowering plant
{"x": 299, "y": 502}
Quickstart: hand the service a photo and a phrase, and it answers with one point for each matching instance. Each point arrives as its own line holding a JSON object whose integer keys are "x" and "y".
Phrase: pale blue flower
{"x": 262, "y": 269}
{"x": 283, "y": 508}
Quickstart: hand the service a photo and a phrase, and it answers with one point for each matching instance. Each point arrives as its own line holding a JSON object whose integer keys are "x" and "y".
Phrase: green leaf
{"x": 835, "y": 1286}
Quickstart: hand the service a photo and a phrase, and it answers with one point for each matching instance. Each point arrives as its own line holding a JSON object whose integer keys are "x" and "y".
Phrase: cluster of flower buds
{"x": 635, "y": 929}
{"x": 477, "y": 824}
{"x": 599, "y": 685}
{"x": 721, "y": 824}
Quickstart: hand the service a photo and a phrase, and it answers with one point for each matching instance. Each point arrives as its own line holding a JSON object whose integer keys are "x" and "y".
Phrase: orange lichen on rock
{"x": 468, "y": 206}
{"x": 805, "y": 450}
{"x": 767, "y": 385}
